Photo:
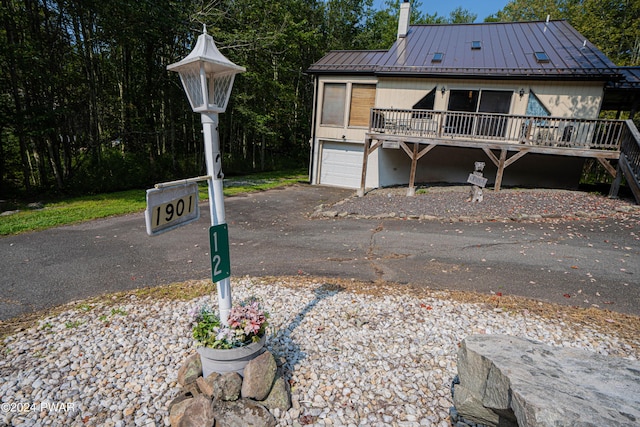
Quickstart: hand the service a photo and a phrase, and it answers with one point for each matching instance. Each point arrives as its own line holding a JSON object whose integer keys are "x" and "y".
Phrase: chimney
{"x": 405, "y": 19}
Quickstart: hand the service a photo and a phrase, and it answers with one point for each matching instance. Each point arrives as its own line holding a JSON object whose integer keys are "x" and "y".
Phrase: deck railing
{"x": 531, "y": 130}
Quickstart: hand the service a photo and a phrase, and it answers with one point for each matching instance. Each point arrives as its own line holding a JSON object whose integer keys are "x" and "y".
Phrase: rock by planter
{"x": 196, "y": 412}
{"x": 188, "y": 392}
{"x": 222, "y": 392}
{"x": 206, "y": 385}
{"x": 228, "y": 387}
{"x": 279, "y": 397}
{"x": 190, "y": 370}
{"x": 258, "y": 376}
{"x": 507, "y": 381}
{"x": 242, "y": 413}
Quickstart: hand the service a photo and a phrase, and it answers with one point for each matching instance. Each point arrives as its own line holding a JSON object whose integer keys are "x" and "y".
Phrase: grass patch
{"x": 73, "y": 210}
{"x": 86, "y": 208}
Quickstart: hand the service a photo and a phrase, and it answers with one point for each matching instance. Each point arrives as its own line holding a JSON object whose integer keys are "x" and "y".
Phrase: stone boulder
{"x": 228, "y": 386}
{"x": 279, "y": 397}
{"x": 207, "y": 385}
{"x": 216, "y": 398}
{"x": 190, "y": 370}
{"x": 242, "y": 413}
{"x": 258, "y": 376}
{"x": 509, "y": 381}
{"x": 196, "y": 412}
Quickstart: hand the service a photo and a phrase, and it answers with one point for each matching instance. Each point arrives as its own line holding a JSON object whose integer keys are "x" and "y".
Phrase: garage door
{"x": 341, "y": 164}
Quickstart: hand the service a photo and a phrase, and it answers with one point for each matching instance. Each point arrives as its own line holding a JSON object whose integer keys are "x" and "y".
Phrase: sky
{"x": 482, "y": 8}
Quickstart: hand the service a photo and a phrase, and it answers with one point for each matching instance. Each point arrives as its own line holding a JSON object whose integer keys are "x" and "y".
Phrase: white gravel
{"x": 352, "y": 359}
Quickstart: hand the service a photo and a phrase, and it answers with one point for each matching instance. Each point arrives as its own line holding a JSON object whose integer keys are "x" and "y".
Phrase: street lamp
{"x": 207, "y": 77}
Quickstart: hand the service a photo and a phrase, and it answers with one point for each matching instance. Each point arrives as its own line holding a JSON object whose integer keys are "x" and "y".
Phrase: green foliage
{"x": 247, "y": 323}
{"x": 88, "y": 106}
{"x": 118, "y": 311}
{"x": 71, "y": 324}
{"x": 72, "y": 210}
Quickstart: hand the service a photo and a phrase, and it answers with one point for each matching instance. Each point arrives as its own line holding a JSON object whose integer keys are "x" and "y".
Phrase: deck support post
{"x": 502, "y": 163}
{"x": 615, "y": 185}
{"x": 365, "y": 159}
{"x": 612, "y": 171}
{"x": 501, "y": 166}
{"x": 411, "y": 191}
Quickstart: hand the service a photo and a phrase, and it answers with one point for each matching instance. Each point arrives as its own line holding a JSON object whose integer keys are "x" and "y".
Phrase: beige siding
{"x": 346, "y": 132}
{"x": 570, "y": 99}
{"x": 562, "y": 99}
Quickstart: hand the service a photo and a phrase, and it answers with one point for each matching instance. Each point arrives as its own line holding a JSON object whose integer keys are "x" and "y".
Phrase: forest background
{"x": 87, "y": 105}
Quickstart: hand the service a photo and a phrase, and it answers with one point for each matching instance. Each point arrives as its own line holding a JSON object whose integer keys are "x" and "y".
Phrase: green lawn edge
{"x": 86, "y": 208}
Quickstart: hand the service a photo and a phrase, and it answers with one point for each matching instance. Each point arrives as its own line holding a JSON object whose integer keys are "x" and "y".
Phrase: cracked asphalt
{"x": 581, "y": 262}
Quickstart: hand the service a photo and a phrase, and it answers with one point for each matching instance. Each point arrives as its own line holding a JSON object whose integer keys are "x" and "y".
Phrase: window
{"x": 463, "y": 100}
{"x": 363, "y": 98}
{"x": 484, "y": 101}
{"x": 426, "y": 103}
{"x": 437, "y": 57}
{"x": 535, "y": 107}
{"x": 541, "y": 57}
{"x": 333, "y": 104}
{"x": 475, "y": 45}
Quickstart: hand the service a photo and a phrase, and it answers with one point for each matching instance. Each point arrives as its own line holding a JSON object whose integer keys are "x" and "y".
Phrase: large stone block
{"x": 242, "y": 413}
{"x": 258, "y": 377}
{"x": 190, "y": 370}
{"x": 539, "y": 385}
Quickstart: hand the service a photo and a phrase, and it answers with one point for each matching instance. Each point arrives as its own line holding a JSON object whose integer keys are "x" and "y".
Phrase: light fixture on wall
{"x": 521, "y": 93}
{"x": 443, "y": 90}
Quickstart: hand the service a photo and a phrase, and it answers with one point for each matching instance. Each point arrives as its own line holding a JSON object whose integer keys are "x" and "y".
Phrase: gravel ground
{"x": 450, "y": 202}
{"x": 355, "y": 354}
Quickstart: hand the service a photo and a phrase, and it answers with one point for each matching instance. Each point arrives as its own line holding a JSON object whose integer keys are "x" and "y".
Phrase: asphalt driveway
{"x": 579, "y": 262}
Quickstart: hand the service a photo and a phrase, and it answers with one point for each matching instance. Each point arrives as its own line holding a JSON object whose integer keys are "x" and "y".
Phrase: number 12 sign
{"x": 220, "y": 264}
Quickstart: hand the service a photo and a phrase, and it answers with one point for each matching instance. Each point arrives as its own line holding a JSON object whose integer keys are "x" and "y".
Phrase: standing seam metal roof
{"x": 507, "y": 51}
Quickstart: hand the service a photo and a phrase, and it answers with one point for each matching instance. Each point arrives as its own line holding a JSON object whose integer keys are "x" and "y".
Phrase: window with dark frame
{"x": 475, "y": 45}
{"x": 437, "y": 57}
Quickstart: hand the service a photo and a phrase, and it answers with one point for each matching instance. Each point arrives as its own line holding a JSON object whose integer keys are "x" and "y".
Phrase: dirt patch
{"x": 624, "y": 326}
{"x": 452, "y": 202}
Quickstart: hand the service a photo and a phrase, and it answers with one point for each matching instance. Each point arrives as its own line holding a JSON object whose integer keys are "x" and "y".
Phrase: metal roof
{"x": 507, "y": 50}
{"x": 623, "y": 94}
{"x": 630, "y": 80}
{"x": 351, "y": 61}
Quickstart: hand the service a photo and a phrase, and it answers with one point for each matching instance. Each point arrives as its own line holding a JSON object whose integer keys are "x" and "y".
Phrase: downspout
{"x": 313, "y": 128}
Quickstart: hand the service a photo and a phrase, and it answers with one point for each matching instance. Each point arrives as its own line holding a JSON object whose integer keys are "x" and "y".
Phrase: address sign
{"x": 171, "y": 207}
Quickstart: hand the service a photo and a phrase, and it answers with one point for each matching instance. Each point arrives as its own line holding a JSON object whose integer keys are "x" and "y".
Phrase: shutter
{"x": 363, "y": 98}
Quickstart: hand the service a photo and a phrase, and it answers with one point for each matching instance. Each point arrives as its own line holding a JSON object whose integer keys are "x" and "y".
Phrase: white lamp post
{"x": 207, "y": 76}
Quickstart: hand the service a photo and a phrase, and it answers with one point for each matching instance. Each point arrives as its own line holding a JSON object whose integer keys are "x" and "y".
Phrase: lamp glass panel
{"x": 219, "y": 88}
{"x": 191, "y": 82}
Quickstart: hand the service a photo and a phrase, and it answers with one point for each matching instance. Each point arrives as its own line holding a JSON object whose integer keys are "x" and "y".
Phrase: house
{"x": 522, "y": 95}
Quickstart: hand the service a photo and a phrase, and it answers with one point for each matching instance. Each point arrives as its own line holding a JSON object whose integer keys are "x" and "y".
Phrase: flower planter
{"x": 229, "y": 360}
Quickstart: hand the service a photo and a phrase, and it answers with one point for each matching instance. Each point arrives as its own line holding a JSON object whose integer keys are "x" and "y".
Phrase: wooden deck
{"x": 504, "y": 138}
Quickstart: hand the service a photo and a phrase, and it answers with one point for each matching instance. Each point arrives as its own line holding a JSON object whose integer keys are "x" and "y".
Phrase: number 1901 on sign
{"x": 172, "y": 210}
{"x": 170, "y": 207}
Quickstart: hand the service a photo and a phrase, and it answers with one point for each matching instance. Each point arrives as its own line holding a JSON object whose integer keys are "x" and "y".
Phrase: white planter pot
{"x": 229, "y": 360}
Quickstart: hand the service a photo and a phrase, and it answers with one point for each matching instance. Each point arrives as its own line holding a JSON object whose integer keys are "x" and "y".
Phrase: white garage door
{"x": 341, "y": 164}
